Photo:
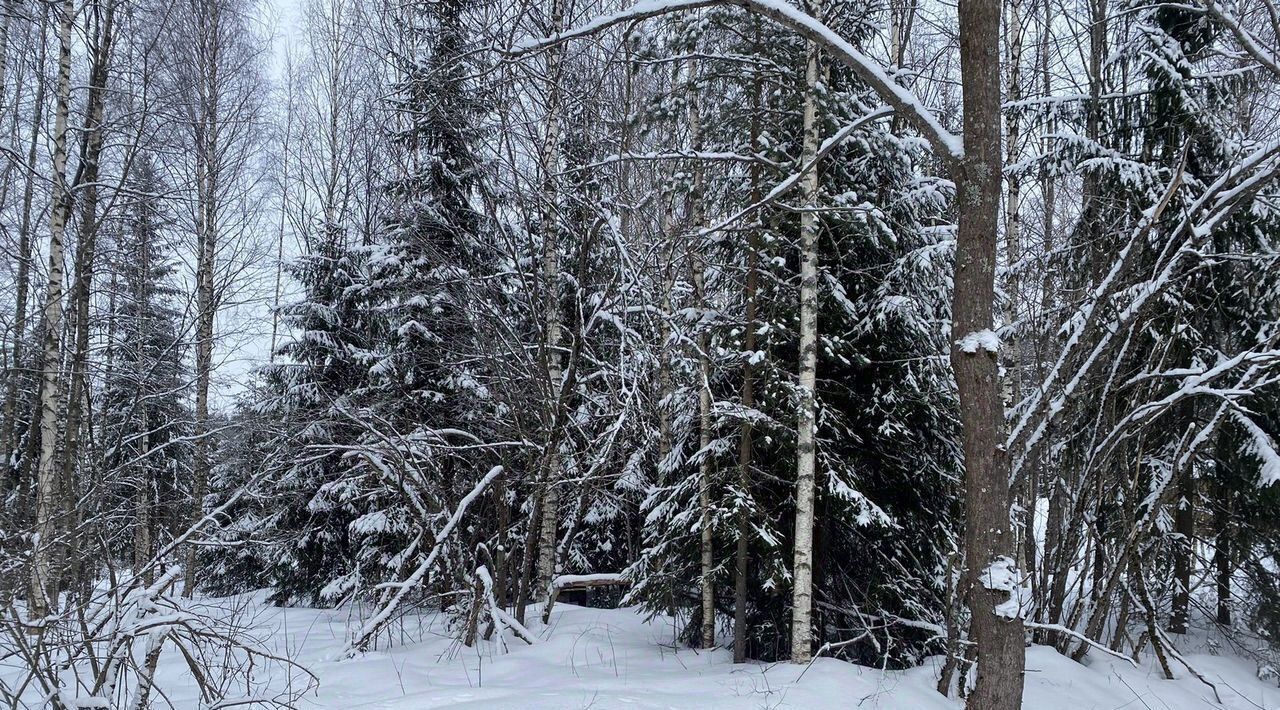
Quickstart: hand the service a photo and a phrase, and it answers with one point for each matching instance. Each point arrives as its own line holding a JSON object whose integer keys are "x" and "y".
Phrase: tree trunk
{"x": 208, "y": 159}
{"x": 86, "y": 255}
{"x": 707, "y": 636}
{"x": 806, "y": 406}
{"x": 987, "y": 541}
{"x": 705, "y": 541}
{"x": 44, "y": 585}
{"x": 751, "y": 291}
{"x": 10, "y": 11}
{"x": 1043, "y": 473}
{"x": 22, "y": 284}
{"x": 142, "y": 524}
{"x": 1222, "y": 557}
{"x": 1184, "y": 525}
{"x": 1013, "y": 351}
{"x": 551, "y": 284}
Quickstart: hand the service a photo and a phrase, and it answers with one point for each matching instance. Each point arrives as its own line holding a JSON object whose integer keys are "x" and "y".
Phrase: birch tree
{"x": 44, "y": 582}
{"x": 806, "y": 456}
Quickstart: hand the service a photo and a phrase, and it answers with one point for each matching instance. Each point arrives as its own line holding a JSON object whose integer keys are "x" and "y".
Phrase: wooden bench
{"x": 579, "y": 581}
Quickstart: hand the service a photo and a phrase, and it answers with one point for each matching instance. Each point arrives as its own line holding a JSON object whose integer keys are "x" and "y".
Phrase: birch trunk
{"x": 44, "y": 585}
{"x": 207, "y": 159}
{"x": 704, "y": 465}
{"x": 284, "y": 211}
{"x": 205, "y": 308}
{"x": 806, "y": 448}
{"x": 86, "y": 254}
{"x": 551, "y": 283}
{"x": 1056, "y": 494}
{"x": 705, "y": 541}
{"x": 10, "y": 11}
{"x": 1027, "y": 490}
{"x": 142, "y": 525}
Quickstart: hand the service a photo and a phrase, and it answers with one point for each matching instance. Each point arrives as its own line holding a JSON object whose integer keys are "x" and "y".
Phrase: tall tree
{"x": 806, "y": 407}
{"x": 989, "y": 546}
{"x": 44, "y": 582}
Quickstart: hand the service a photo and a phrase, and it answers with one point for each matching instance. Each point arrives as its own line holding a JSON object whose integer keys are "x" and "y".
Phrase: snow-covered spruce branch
{"x": 365, "y": 634}
{"x": 948, "y": 146}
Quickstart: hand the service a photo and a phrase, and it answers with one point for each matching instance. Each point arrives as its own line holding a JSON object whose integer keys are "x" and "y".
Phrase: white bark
{"x": 802, "y": 602}
{"x": 43, "y": 584}
{"x": 208, "y": 167}
{"x": 549, "y": 525}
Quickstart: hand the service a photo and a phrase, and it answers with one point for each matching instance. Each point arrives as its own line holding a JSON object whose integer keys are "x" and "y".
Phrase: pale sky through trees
{"x": 239, "y": 358}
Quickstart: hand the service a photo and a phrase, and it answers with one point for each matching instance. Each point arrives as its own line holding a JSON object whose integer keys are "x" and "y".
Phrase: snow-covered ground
{"x": 612, "y": 658}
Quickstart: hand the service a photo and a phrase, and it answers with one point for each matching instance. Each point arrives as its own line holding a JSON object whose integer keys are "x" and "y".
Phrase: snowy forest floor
{"x": 612, "y": 658}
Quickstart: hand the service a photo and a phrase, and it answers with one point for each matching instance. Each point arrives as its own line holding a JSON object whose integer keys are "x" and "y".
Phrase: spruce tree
{"x": 147, "y": 413}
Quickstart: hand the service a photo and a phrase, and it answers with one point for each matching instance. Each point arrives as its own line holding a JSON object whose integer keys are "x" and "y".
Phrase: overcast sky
{"x": 245, "y": 331}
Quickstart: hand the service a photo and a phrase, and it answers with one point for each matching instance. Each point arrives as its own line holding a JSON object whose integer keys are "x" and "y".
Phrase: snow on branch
{"x": 1262, "y": 447}
{"x": 375, "y": 624}
{"x": 501, "y": 619}
{"x": 1059, "y": 628}
{"x": 1251, "y": 45}
{"x": 792, "y": 180}
{"x": 579, "y": 581}
{"x": 704, "y": 155}
{"x": 1076, "y": 357}
{"x": 947, "y": 144}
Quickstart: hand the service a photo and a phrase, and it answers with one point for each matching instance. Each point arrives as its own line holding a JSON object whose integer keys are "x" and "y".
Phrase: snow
{"x": 1260, "y": 446}
{"x": 985, "y": 339}
{"x": 1002, "y": 575}
{"x": 613, "y": 658}
{"x": 569, "y": 580}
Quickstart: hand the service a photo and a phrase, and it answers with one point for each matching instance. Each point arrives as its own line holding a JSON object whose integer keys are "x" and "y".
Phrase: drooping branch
{"x": 947, "y": 145}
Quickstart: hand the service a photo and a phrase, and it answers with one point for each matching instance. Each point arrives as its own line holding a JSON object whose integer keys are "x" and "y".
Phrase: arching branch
{"x": 947, "y": 145}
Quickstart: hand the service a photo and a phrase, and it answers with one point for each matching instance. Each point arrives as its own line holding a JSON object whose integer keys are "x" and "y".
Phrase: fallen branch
{"x": 1178, "y": 657}
{"x": 374, "y": 625}
{"x": 1059, "y": 628}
